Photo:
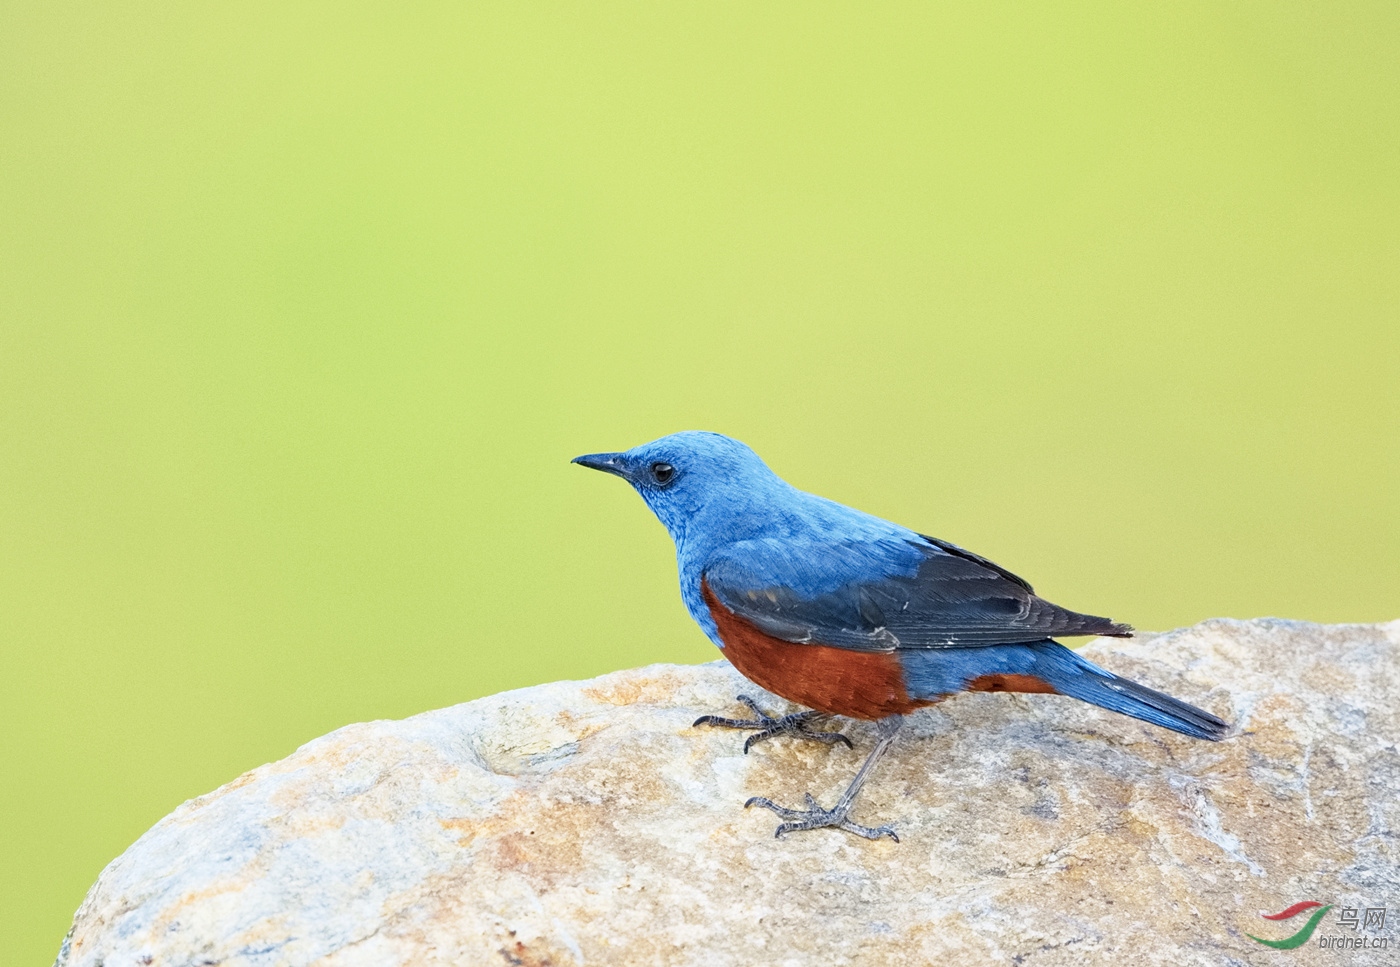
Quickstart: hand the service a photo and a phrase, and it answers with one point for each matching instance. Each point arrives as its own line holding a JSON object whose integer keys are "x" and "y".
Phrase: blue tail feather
{"x": 1080, "y": 678}
{"x": 932, "y": 673}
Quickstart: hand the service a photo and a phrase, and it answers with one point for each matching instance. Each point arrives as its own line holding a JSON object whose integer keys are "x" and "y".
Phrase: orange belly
{"x": 838, "y": 681}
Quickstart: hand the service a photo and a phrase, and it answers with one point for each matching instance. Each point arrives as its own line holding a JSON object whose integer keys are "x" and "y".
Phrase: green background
{"x": 304, "y": 309}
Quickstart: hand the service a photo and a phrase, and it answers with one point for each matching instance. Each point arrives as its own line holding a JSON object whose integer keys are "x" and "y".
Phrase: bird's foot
{"x": 815, "y": 817}
{"x": 766, "y": 726}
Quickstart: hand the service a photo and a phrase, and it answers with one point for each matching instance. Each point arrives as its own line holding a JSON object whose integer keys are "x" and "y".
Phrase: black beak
{"x": 607, "y": 462}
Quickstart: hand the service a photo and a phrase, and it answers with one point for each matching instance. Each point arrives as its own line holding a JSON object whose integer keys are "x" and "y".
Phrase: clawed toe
{"x": 870, "y": 832}
{"x": 796, "y": 726}
{"x": 767, "y": 726}
{"x": 725, "y": 723}
{"x": 761, "y": 720}
{"x": 815, "y": 817}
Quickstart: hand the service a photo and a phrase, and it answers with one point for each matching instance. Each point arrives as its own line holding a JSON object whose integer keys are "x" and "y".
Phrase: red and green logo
{"x": 1301, "y": 937}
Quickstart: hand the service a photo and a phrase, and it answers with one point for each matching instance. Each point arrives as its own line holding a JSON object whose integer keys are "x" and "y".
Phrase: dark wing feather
{"x": 953, "y": 599}
{"x": 978, "y": 558}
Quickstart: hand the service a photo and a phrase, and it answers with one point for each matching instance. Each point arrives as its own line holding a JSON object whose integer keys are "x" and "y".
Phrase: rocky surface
{"x": 589, "y": 823}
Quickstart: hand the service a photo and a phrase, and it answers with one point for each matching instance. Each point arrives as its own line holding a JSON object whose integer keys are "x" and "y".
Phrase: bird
{"x": 845, "y": 614}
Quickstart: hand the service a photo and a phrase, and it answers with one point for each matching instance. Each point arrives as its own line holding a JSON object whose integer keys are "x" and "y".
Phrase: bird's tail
{"x": 1073, "y": 675}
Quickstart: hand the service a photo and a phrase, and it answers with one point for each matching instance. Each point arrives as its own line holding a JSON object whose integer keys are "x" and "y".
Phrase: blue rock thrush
{"x": 848, "y": 614}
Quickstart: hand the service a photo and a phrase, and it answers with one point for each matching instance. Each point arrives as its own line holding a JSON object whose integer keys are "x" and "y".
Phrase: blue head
{"x": 697, "y": 481}
{"x": 716, "y": 496}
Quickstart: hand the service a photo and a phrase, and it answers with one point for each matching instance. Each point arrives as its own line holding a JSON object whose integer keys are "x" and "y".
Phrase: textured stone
{"x": 589, "y": 823}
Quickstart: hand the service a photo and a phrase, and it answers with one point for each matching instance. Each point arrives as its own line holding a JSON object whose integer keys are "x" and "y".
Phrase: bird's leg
{"x": 795, "y": 725}
{"x": 815, "y": 817}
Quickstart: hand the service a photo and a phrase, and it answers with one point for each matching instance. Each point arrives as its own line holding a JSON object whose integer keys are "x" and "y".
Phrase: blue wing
{"x": 886, "y": 595}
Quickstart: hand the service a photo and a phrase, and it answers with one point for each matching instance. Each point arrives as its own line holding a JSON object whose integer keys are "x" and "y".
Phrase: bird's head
{"x": 692, "y": 476}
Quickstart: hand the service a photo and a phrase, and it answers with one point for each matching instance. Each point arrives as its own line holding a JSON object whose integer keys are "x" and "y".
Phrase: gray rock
{"x": 589, "y": 823}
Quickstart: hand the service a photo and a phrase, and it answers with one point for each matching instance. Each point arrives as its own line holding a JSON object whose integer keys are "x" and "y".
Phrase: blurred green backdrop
{"x": 304, "y": 308}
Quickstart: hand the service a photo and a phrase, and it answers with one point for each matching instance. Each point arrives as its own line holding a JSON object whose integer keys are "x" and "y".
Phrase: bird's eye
{"x": 662, "y": 473}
